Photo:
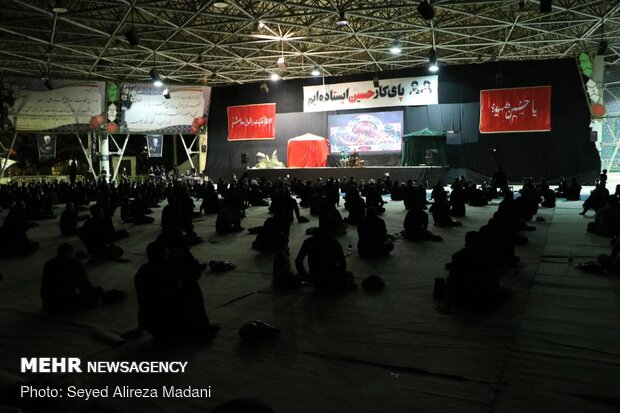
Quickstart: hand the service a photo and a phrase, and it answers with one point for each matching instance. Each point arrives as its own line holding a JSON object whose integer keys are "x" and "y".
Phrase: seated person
{"x": 283, "y": 277}
{"x": 549, "y": 198}
{"x": 597, "y": 199}
{"x": 69, "y": 220}
{"x": 210, "y": 200}
{"x": 326, "y": 261}
{"x": 416, "y": 225}
{"x": 139, "y": 211}
{"x": 562, "y": 188}
{"x": 97, "y": 237}
{"x": 228, "y": 220}
{"x": 373, "y": 239}
{"x": 65, "y": 286}
{"x": 611, "y": 263}
{"x": 374, "y": 200}
{"x": 476, "y": 196}
{"x": 457, "y": 201}
{"x": 573, "y": 193}
{"x": 441, "y": 211}
{"x": 273, "y": 229}
{"x": 607, "y": 220}
{"x": 14, "y": 241}
{"x": 472, "y": 283}
{"x": 356, "y": 206}
{"x": 170, "y": 305}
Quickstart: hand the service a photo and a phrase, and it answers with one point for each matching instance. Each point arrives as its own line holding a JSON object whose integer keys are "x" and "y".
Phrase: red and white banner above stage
{"x": 252, "y": 122}
{"x": 524, "y": 109}
{"x": 410, "y": 91}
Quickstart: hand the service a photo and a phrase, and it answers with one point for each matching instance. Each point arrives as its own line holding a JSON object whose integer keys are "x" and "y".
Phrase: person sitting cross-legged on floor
{"x": 416, "y": 224}
{"x": 441, "y": 211}
{"x": 96, "y": 236}
{"x": 170, "y": 306}
{"x": 65, "y": 286}
{"x": 607, "y": 220}
{"x": 473, "y": 283}
{"x": 326, "y": 261}
{"x": 373, "y": 239}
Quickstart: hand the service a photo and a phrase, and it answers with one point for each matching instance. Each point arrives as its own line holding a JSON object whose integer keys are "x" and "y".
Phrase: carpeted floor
{"x": 553, "y": 347}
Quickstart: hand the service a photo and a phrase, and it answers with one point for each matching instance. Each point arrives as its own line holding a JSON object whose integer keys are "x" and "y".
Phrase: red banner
{"x": 524, "y": 109}
{"x": 250, "y": 122}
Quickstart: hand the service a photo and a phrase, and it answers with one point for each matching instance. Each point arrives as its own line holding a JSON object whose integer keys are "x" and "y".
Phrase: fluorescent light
{"x": 158, "y": 83}
{"x": 342, "y": 19}
{"x": 433, "y": 67}
{"x": 315, "y": 72}
{"x": 395, "y": 49}
{"x": 220, "y": 4}
{"x": 59, "y": 8}
{"x": 275, "y": 76}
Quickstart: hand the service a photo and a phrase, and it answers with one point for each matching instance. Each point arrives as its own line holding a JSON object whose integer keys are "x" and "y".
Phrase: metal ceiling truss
{"x": 194, "y": 41}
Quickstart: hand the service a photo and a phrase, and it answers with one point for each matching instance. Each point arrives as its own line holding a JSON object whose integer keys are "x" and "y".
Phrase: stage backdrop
{"x": 411, "y": 91}
{"x": 366, "y": 132}
{"x": 252, "y": 122}
{"x": 524, "y": 109}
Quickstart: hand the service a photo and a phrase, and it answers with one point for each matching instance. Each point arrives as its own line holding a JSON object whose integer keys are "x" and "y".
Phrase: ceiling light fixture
{"x": 132, "y": 35}
{"x": 220, "y": 4}
{"x": 432, "y": 61}
{"x": 275, "y": 76}
{"x": 166, "y": 93}
{"x": 426, "y": 10}
{"x": 342, "y": 19}
{"x": 58, "y": 7}
{"x": 155, "y": 78}
{"x": 395, "y": 48}
{"x": 281, "y": 63}
{"x": 315, "y": 72}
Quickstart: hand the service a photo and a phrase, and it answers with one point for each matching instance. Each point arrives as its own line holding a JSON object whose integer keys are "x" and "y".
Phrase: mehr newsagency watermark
{"x": 75, "y": 365}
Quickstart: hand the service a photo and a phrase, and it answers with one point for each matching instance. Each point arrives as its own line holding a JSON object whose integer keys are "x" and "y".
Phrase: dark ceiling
{"x": 219, "y": 43}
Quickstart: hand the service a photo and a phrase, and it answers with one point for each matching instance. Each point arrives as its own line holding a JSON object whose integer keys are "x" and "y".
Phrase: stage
{"x": 399, "y": 173}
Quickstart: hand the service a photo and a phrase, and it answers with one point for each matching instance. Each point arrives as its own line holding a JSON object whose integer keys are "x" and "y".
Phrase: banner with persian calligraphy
{"x": 142, "y": 107}
{"x": 410, "y": 91}
{"x": 524, "y": 109}
{"x": 252, "y": 122}
{"x": 67, "y": 107}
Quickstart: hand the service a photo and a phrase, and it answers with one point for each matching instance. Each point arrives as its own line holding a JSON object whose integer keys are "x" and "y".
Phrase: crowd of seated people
{"x": 473, "y": 280}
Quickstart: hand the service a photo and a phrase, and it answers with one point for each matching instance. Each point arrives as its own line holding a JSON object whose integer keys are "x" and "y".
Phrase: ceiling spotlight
{"x": 155, "y": 78}
{"x": 132, "y": 37}
{"x": 281, "y": 63}
{"x": 602, "y": 47}
{"x": 166, "y": 93}
{"x": 342, "y": 19}
{"x": 426, "y": 10}
{"x": 395, "y": 48}
{"x": 275, "y": 76}
{"x": 522, "y": 11}
{"x": 58, "y": 7}
{"x": 432, "y": 61}
{"x": 220, "y": 4}
{"x": 315, "y": 72}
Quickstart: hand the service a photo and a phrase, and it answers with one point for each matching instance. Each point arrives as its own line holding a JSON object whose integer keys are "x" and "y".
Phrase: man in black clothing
{"x": 65, "y": 286}
{"x": 171, "y": 305}
{"x": 500, "y": 180}
{"x": 373, "y": 239}
{"x": 326, "y": 261}
{"x": 97, "y": 237}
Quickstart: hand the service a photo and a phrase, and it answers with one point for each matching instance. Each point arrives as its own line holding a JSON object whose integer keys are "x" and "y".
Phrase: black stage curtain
{"x": 564, "y": 151}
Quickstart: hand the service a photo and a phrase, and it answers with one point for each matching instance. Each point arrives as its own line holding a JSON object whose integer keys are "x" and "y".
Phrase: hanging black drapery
{"x": 424, "y": 147}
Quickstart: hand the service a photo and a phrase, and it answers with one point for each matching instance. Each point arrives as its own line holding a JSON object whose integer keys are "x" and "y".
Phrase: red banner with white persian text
{"x": 524, "y": 109}
{"x": 249, "y": 122}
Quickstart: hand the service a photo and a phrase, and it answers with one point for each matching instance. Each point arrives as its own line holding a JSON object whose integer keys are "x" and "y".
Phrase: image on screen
{"x": 366, "y": 132}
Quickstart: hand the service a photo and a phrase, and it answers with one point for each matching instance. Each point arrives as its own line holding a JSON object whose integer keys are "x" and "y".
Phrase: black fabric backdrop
{"x": 415, "y": 147}
{"x": 564, "y": 151}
